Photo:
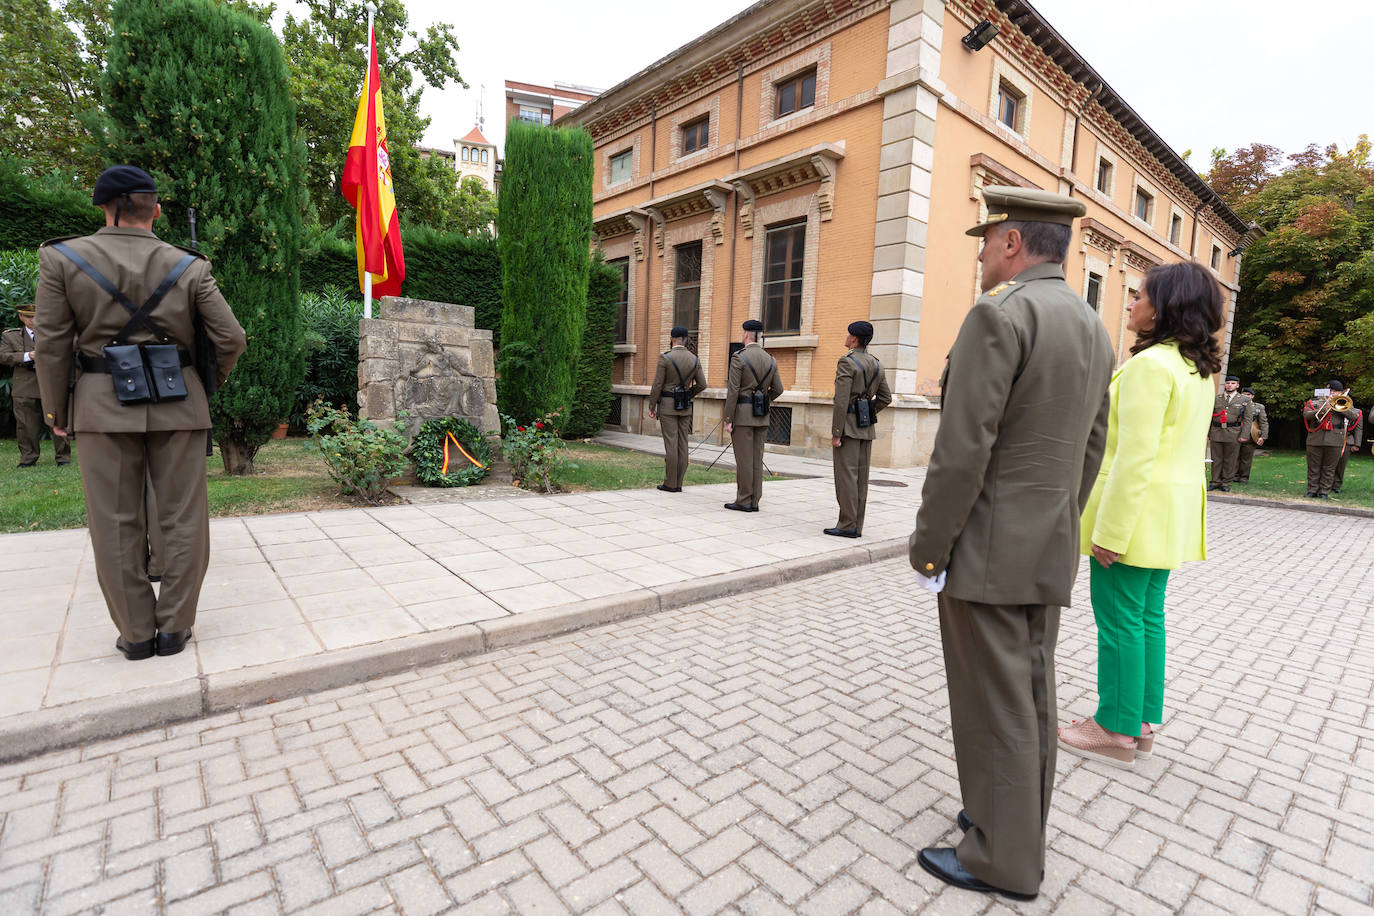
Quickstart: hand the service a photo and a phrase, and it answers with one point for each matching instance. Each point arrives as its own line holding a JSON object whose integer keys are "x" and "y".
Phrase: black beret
{"x": 1335, "y": 384}
{"x": 679, "y": 331}
{"x": 1233, "y": 378}
{"x": 122, "y": 179}
{"x": 753, "y": 324}
{"x": 1247, "y": 391}
{"x": 861, "y": 329}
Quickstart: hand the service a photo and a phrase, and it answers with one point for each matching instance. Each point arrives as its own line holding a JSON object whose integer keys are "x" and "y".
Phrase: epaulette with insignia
{"x": 1000, "y": 287}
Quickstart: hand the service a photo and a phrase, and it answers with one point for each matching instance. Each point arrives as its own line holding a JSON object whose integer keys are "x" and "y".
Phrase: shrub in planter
{"x": 534, "y": 451}
{"x": 439, "y": 453}
{"x": 360, "y": 455}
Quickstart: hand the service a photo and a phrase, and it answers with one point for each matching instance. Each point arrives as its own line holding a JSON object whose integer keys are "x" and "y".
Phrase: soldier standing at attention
{"x": 16, "y": 351}
{"x": 1230, "y": 422}
{"x": 752, "y": 385}
{"x": 1258, "y": 417}
{"x": 858, "y": 377}
{"x": 673, "y": 407}
{"x": 90, "y": 287}
{"x": 1327, "y": 434}
{"x": 1023, "y": 426}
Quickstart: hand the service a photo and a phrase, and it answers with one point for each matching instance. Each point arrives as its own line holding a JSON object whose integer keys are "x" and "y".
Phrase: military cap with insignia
{"x": 1335, "y": 385}
{"x": 1233, "y": 378}
{"x": 678, "y": 331}
{"x": 26, "y": 310}
{"x": 753, "y": 324}
{"x": 1247, "y": 391}
{"x": 119, "y": 180}
{"x": 1026, "y": 205}
{"x": 861, "y": 329}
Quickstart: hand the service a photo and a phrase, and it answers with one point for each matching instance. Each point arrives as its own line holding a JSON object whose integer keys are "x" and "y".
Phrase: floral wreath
{"x": 450, "y": 452}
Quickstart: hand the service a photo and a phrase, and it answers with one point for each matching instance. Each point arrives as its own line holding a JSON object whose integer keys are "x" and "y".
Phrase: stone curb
{"x": 1328, "y": 509}
{"x": 29, "y": 734}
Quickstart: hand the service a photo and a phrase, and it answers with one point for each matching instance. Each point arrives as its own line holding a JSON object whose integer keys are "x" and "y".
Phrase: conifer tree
{"x": 544, "y": 226}
{"x": 196, "y": 93}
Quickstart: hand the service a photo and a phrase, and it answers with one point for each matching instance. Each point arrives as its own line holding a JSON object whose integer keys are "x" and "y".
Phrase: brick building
{"x": 810, "y": 162}
{"x": 544, "y": 104}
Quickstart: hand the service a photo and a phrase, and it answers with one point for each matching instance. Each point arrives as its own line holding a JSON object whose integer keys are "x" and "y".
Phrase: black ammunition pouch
{"x": 682, "y": 398}
{"x": 141, "y": 373}
{"x": 759, "y": 401}
{"x": 865, "y": 413}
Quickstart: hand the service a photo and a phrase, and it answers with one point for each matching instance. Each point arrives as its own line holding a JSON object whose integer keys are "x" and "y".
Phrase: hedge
{"x": 592, "y": 402}
{"x": 39, "y": 207}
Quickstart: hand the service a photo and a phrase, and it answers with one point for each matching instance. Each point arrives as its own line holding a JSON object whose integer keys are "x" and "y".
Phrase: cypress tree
{"x": 544, "y": 227}
{"x": 197, "y": 94}
{"x": 595, "y": 362}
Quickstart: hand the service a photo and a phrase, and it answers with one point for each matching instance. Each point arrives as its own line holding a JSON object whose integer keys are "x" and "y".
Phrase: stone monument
{"x": 428, "y": 359}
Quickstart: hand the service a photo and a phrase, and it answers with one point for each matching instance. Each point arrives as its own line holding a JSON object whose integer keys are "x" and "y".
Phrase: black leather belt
{"x": 29, "y": 366}
{"x": 97, "y": 363}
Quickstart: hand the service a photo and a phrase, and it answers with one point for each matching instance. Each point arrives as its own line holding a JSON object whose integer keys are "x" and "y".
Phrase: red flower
{"x": 538, "y": 425}
{"x": 519, "y": 429}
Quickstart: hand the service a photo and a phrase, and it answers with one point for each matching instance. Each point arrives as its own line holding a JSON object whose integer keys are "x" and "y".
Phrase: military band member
{"x": 123, "y": 445}
{"x": 858, "y": 376}
{"x": 16, "y": 351}
{"x": 678, "y": 380}
{"x": 1353, "y": 437}
{"x": 1259, "y": 417}
{"x": 1230, "y": 429}
{"x": 751, "y": 370}
{"x": 1023, "y": 425}
{"x": 1327, "y": 432}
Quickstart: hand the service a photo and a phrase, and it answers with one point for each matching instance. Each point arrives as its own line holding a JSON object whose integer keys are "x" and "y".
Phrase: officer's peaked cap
{"x": 1026, "y": 205}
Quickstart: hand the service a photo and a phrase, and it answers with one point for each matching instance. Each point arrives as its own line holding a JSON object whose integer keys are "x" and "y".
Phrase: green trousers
{"x": 1128, "y": 604}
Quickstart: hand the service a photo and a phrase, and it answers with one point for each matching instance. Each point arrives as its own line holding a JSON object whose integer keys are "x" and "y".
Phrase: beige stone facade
{"x": 812, "y": 163}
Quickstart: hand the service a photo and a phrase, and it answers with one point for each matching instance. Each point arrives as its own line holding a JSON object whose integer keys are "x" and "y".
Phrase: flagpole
{"x": 367, "y": 88}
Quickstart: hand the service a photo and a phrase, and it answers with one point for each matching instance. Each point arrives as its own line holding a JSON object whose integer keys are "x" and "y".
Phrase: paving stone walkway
{"x": 785, "y": 753}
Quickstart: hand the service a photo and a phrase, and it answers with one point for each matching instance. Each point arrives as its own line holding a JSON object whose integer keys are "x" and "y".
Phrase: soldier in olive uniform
{"x": 16, "y": 351}
{"x": 123, "y": 445}
{"x": 857, "y": 376}
{"x": 1230, "y": 429}
{"x": 751, "y": 370}
{"x": 1023, "y": 425}
{"x": 679, "y": 378}
{"x": 1327, "y": 434}
{"x": 1353, "y": 437}
{"x": 1259, "y": 417}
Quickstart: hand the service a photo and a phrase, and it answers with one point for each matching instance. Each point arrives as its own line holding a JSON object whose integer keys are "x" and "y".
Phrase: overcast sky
{"x": 1202, "y": 73}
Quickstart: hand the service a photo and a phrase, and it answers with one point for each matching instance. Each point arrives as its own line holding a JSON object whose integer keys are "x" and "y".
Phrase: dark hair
{"x": 1189, "y": 309}
{"x": 1044, "y": 240}
{"x": 137, "y": 206}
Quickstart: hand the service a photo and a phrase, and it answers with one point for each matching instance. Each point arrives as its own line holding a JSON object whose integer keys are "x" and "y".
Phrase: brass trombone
{"x": 1340, "y": 403}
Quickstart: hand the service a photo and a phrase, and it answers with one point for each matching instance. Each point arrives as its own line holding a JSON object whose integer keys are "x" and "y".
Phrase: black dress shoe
{"x": 943, "y": 863}
{"x": 1213, "y": 486}
{"x": 172, "y": 643}
{"x": 740, "y": 507}
{"x": 1225, "y": 488}
{"x": 63, "y": 464}
{"x": 667, "y": 489}
{"x": 1312, "y": 494}
{"x": 1323, "y": 496}
{"x": 841, "y": 532}
{"x": 26, "y": 464}
{"x": 135, "y": 651}
{"x": 964, "y": 821}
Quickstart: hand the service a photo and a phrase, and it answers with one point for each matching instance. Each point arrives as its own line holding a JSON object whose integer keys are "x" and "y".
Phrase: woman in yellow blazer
{"x": 1147, "y": 511}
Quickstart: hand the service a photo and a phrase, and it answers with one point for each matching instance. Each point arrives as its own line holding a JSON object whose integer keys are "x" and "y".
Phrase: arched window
{"x": 465, "y": 154}
{"x": 484, "y": 156}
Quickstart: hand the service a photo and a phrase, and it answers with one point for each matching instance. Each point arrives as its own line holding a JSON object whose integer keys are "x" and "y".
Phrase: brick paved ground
{"x": 784, "y": 753}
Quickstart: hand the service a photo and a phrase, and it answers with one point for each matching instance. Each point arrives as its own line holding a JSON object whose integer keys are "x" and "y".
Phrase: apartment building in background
{"x": 813, "y": 162}
{"x": 544, "y": 104}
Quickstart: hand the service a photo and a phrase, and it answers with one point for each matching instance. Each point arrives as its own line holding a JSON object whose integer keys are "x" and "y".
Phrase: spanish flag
{"x": 367, "y": 186}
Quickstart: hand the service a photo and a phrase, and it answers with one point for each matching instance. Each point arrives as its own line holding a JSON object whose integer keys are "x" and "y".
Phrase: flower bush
{"x": 533, "y": 451}
{"x": 431, "y": 457}
{"x": 360, "y": 455}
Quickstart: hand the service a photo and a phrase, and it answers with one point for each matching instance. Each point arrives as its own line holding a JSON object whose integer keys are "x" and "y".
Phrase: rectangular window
{"x": 696, "y": 135}
{"x": 1175, "y": 229}
{"x": 1216, "y": 257}
{"x": 1095, "y": 291}
{"x": 1144, "y": 205}
{"x": 621, "y": 166}
{"x": 795, "y": 93}
{"x": 622, "y": 304}
{"x": 784, "y": 257}
{"x": 535, "y": 115}
{"x": 1009, "y": 105}
{"x": 1104, "y": 176}
{"x": 687, "y": 287}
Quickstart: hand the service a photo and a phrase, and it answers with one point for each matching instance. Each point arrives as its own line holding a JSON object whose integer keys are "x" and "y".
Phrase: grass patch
{"x": 1282, "y": 474}
{"x": 602, "y": 467}
{"x": 288, "y": 479}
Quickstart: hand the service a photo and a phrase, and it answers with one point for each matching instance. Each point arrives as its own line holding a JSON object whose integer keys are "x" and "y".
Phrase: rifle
{"x": 203, "y": 350}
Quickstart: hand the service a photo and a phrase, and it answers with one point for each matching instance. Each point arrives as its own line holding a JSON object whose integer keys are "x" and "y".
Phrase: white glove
{"x": 932, "y": 584}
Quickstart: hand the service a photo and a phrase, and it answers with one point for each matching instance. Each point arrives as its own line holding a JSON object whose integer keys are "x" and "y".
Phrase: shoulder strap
{"x": 681, "y": 379}
{"x": 867, "y": 383}
{"x": 138, "y": 315}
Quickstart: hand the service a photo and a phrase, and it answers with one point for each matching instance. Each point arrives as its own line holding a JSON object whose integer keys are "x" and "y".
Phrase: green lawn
{"x": 600, "y": 467}
{"x": 289, "y": 478}
{"x": 1283, "y": 475}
